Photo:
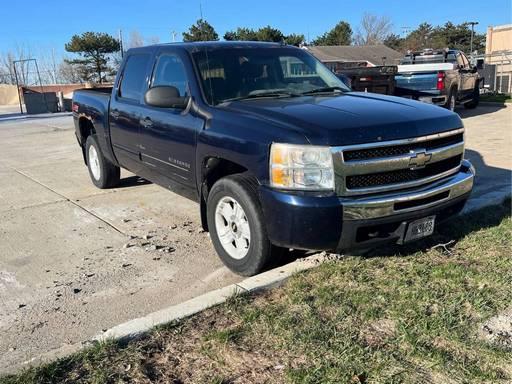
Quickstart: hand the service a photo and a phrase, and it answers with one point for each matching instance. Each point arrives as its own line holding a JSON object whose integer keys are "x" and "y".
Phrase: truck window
{"x": 238, "y": 72}
{"x": 134, "y": 77}
{"x": 460, "y": 61}
{"x": 465, "y": 60}
{"x": 170, "y": 70}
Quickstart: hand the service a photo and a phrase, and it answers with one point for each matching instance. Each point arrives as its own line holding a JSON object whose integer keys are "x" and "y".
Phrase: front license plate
{"x": 420, "y": 228}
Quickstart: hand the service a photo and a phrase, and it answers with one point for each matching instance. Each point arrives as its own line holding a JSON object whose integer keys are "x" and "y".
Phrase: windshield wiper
{"x": 263, "y": 94}
{"x": 324, "y": 90}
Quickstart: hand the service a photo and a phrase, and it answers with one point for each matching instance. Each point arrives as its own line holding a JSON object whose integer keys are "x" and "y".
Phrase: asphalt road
{"x": 75, "y": 260}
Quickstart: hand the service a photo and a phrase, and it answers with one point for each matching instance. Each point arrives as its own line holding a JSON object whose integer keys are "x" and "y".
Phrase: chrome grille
{"x": 395, "y": 150}
{"x": 403, "y": 175}
{"x": 399, "y": 164}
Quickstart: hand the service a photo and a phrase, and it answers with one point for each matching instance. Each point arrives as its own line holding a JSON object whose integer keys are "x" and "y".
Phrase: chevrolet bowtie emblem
{"x": 419, "y": 159}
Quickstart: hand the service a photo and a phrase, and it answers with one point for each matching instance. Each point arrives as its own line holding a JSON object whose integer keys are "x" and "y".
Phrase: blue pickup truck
{"x": 276, "y": 150}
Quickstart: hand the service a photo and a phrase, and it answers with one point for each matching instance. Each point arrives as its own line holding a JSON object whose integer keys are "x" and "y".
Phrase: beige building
{"x": 498, "y": 52}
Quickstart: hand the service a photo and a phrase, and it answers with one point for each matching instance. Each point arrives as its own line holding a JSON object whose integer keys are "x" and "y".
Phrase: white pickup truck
{"x": 443, "y": 78}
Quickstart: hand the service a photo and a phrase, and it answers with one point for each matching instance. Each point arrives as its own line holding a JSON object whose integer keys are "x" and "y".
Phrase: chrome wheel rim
{"x": 232, "y": 228}
{"x": 94, "y": 163}
{"x": 452, "y": 103}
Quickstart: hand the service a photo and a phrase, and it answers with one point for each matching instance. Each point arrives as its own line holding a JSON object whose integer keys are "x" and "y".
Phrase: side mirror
{"x": 165, "y": 96}
{"x": 474, "y": 69}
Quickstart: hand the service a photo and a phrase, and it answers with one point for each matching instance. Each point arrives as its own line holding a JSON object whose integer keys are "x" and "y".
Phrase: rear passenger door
{"x": 126, "y": 110}
{"x": 469, "y": 76}
{"x": 168, "y": 135}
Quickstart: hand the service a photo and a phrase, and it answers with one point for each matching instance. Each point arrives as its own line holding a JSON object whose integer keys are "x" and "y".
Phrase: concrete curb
{"x": 36, "y": 116}
{"x": 265, "y": 280}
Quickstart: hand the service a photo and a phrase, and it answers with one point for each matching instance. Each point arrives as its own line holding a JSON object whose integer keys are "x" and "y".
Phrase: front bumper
{"x": 305, "y": 221}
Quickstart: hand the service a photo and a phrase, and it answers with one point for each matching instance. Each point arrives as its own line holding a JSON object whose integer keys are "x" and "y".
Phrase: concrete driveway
{"x": 75, "y": 260}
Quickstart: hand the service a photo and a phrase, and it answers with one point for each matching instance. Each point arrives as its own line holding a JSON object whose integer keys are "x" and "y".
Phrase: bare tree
{"x": 69, "y": 73}
{"x": 373, "y": 30}
{"x": 8, "y": 65}
{"x": 136, "y": 39}
{"x": 48, "y": 68}
{"x": 7, "y": 68}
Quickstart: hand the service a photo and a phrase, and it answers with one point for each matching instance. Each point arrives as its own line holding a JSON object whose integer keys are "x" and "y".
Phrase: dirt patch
{"x": 378, "y": 333}
{"x": 498, "y": 330}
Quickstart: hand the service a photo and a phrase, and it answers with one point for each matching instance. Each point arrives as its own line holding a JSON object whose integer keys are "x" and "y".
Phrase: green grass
{"x": 499, "y": 98}
{"x": 400, "y": 315}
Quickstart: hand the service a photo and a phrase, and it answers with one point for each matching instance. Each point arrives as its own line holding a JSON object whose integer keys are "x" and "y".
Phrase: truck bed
{"x": 429, "y": 67}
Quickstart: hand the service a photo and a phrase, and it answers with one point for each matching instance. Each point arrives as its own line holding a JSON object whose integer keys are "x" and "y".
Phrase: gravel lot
{"x": 75, "y": 259}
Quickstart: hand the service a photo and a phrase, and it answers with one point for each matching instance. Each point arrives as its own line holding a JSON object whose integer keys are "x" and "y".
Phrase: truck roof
{"x": 198, "y": 45}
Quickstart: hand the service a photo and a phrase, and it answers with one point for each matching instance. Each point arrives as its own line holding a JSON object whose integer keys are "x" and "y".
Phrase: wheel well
{"x": 86, "y": 129}
{"x": 214, "y": 169}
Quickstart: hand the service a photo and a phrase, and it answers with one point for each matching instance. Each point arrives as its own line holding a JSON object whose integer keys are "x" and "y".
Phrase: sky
{"x": 47, "y": 25}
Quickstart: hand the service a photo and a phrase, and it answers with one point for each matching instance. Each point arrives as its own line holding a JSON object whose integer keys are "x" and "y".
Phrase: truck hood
{"x": 350, "y": 118}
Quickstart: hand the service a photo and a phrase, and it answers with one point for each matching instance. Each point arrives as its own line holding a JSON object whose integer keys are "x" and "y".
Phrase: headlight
{"x": 303, "y": 167}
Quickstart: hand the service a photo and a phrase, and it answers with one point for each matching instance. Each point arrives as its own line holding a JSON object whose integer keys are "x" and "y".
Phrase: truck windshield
{"x": 246, "y": 73}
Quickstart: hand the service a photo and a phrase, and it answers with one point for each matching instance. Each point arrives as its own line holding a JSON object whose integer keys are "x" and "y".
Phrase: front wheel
{"x": 236, "y": 224}
{"x": 103, "y": 173}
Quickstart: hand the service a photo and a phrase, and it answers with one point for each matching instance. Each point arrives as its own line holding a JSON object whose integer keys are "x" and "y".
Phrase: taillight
{"x": 75, "y": 107}
{"x": 440, "y": 80}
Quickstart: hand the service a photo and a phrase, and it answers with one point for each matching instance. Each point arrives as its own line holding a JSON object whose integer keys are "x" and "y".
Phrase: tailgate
{"x": 417, "y": 81}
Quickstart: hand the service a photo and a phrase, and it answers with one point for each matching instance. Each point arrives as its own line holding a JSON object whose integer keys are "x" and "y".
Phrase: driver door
{"x": 168, "y": 135}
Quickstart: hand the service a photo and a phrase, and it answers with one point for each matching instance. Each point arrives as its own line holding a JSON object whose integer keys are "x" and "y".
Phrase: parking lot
{"x": 75, "y": 260}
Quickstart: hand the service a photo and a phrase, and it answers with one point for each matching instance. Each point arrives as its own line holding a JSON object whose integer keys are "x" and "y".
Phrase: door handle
{"x": 146, "y": 123}
{"x": 115, "y": 114}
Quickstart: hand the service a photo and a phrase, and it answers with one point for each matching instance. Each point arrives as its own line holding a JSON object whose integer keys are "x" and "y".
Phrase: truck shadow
{"x": 488, "y": 178}
{"x": 482, "y": 109}
{"x": 449, "y": 233}
{"x": 132, "y": 181}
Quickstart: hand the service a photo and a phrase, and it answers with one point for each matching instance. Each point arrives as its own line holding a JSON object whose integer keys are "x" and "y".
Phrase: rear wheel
{"x": 475, "y": 98}
{"x": 103, "y": 173}
{"x": 237, "y": 226}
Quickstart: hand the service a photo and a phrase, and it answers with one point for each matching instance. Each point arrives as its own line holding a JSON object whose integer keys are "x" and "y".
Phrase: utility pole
{"x": 121, "y": 42}
{"x": 472, "y": 23}
{"x": 54, "y": 66}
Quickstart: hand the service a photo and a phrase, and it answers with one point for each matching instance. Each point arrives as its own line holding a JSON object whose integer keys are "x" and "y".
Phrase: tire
{"x": 103, "y": 173}
{"x": 237, "y": 226}
{"x": 451, "y": 100}
{"x": 475, "y": 99}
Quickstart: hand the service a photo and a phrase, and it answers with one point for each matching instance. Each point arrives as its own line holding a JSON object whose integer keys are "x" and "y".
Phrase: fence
{"x": 497, "y": 71}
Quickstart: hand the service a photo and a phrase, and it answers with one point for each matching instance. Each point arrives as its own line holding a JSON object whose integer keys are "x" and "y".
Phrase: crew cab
{"x": 443, "y": 78}
{"x": 275, "y": 149}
